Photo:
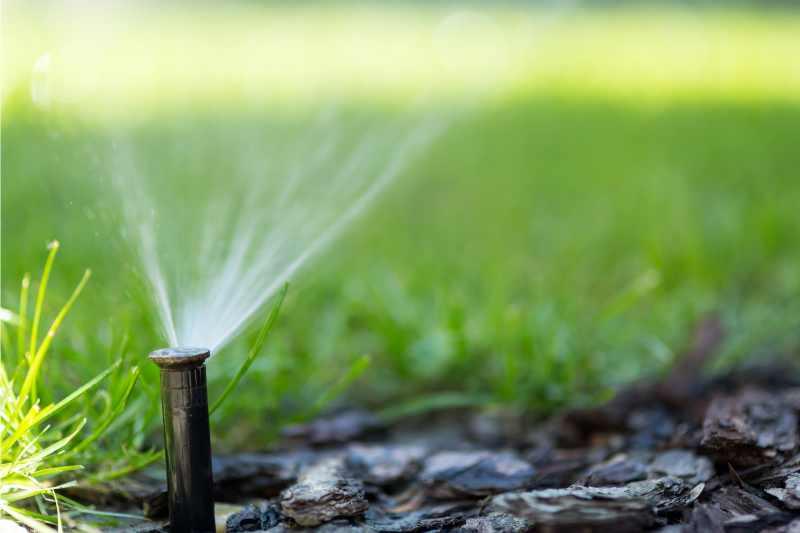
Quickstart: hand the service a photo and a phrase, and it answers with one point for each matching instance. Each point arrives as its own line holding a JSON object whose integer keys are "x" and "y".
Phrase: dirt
{"x": 687, "y": 453}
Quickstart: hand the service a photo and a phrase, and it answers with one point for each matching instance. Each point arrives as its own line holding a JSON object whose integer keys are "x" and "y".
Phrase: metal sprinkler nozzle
{"x": 187, "y": 438}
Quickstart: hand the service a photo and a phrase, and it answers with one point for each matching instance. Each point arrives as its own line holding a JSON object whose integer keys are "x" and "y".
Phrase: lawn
{"x": 582, "y": 212}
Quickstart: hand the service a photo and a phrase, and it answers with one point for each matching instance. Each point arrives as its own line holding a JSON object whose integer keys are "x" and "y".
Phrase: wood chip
{"x": 750, "y": 428}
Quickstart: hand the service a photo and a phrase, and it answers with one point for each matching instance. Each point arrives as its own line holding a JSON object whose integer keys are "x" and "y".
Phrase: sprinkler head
{"x": 187, "y": 438}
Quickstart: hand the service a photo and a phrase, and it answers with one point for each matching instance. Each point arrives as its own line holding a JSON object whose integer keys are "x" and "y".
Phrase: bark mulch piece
{"x": 789, "y": 494}
{"x": 260, "y": 475}
{"x": 345, "y": 427}
{"x": 454, "y": 474}
{"x": 750, "y": 428}
{"x": 255, "y": 518}
{"x": 386, "y": 466}
{"x": 688, "y": 453}
{"x": 632, "y": 507}
{"x": 495, "y": 523}
{"x": 322, "y": 493}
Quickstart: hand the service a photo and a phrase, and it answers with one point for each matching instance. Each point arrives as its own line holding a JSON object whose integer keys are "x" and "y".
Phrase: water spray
{"x": 257, "y": 226}
{"x": 187, "y": 438}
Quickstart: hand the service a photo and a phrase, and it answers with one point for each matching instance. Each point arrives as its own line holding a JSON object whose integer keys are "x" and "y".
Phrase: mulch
{"x": 690, "y": 452}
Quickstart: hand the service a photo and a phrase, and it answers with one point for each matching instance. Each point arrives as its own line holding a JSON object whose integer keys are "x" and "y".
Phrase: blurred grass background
{"x": 620, "y": 172}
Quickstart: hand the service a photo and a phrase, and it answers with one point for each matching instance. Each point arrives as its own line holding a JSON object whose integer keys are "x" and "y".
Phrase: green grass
{"x": 559, "y": 239}
{"x": 543, "y": 249}
{"x": 43, "y": 441}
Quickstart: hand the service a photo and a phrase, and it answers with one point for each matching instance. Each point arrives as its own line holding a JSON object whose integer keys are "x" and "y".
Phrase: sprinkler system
{"x": 187, "y": 438}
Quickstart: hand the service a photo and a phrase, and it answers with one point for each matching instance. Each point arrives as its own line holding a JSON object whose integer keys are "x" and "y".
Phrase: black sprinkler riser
{"x": 187, "y": 438}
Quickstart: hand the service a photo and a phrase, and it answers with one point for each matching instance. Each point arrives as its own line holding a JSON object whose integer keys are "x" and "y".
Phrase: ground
{"x": 685, "y": 453}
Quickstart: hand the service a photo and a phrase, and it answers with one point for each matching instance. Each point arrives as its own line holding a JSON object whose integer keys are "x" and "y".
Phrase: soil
{"x": 687, "y": 453}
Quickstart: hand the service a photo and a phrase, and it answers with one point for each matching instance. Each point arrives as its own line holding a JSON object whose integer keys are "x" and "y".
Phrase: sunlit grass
{"x": 40, "y": 439}
{"x": 120, "y": 62}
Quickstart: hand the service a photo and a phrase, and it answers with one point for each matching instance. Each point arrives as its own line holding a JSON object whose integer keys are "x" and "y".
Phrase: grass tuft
{"x": 34, "y": 456}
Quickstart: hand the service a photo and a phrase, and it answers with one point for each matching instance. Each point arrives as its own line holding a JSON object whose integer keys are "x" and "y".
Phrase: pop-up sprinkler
{"x": 187, "y": 438}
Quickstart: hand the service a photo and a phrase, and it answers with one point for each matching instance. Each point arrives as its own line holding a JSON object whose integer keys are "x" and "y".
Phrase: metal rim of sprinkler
{"x": 187, "y": 438}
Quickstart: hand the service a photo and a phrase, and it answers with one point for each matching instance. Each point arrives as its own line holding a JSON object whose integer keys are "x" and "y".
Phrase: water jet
{"x": 254, "y": 223}
{"x": 187, "y": 438}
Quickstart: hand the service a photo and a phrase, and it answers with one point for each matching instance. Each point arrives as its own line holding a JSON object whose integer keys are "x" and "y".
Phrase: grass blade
{"x": 36, "y": 362}
{"x": 435, "y": 402}
{"x": 34, "y": 521}
{"x": 80, "y": 390}
{"x": 54, "y": 471}
{"x": 37, "y": 311}
{"x": 143, "y": 461}
{"x": 118, "y": 408}
{"x": 22, "y": 327}
{"x": 355, "y": 371}
{"x": 254, "y": 351}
